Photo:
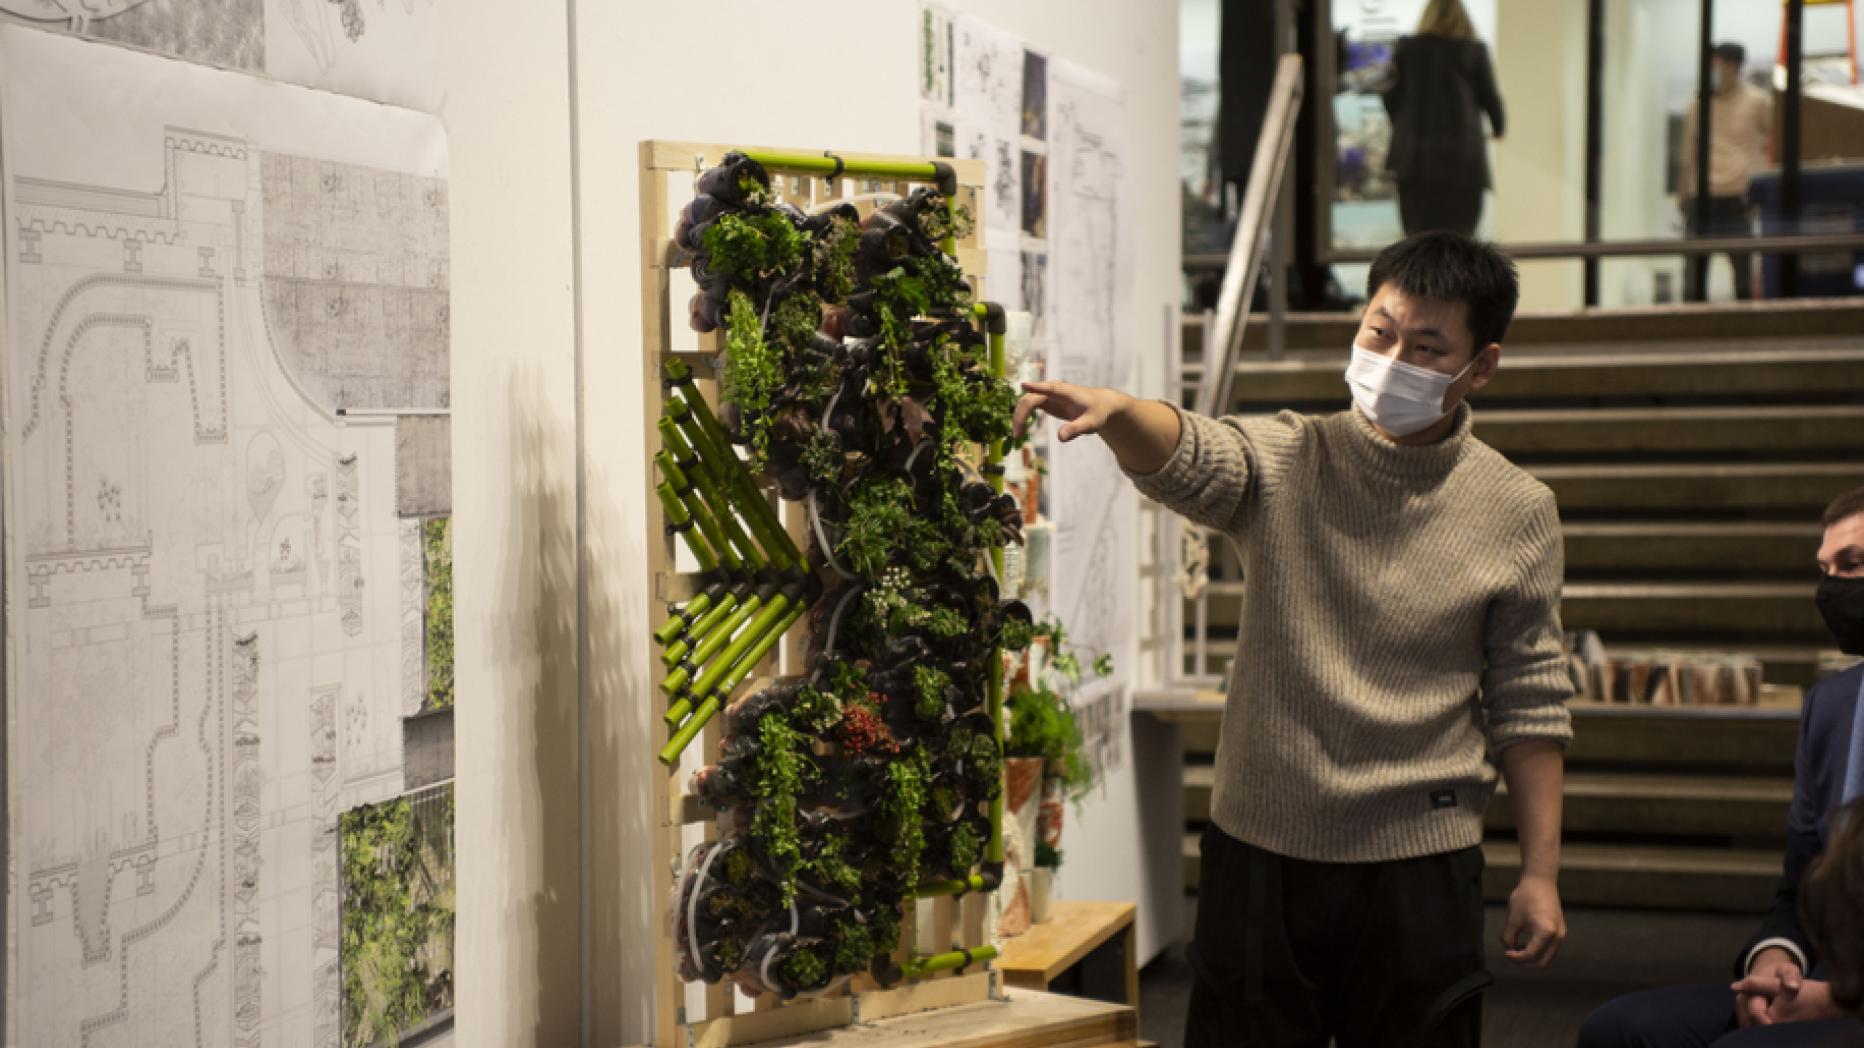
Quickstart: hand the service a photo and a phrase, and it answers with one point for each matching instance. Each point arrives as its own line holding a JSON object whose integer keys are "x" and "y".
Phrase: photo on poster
{"x": 1035, "y": 194}
{"x": 1035, "y": 289}
{"x": 228, "y": 33}
{"x": 935, "y": 55}
{"x": 1035, "y": 95}
{"x": 944, "y": 139}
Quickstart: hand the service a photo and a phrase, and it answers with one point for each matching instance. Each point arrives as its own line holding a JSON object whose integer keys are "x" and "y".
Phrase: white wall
{"x": 705, "y": 73}
{"x": 1539, "y": 165}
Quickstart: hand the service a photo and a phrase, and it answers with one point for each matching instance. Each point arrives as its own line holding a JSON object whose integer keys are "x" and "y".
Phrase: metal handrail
{"x": 1260, "y": 199}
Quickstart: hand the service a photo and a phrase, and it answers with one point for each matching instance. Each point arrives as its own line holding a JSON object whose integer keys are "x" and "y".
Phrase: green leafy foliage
{"x": 437, "y": 555}
{"x": 966, "y": 847}
{"x": 930, "y": 682}
{"x": 804, "y": 968}
{"x": 829, "y": 868}
{"x": 904, "y": 807}
{"x": 815, "y": 711}
{"x": 396, "y": 917}
{"x": 823, "y": 458}
{"x": 753, "y": 370}
{"x": 1042, "y": 719}
{"x": 749, "y": 245}
{"x": 784, "y": 769}
{"x": 834, "y": 260}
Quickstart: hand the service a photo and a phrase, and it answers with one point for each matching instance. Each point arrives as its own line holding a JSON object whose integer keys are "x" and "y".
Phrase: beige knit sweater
{"x": 1400, "y": 627}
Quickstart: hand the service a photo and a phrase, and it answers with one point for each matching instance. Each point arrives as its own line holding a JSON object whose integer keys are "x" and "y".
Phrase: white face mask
{"x": 1400, "y": 398}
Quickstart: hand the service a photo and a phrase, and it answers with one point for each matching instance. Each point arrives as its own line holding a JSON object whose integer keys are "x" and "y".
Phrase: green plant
{"x": 854, "y": 946}
{"x": 829, "y": 868}
{"x": 904, "y": 807}
{"x": 881, "y": 520}
{"x": 783, "y": 769}
{"x": 804, "y": 968}
{"x": 396, "y": 917}
{"x": 930, "y": 682}
{"x": 753, "y": 371}
{"x": 749, "y": 245}
{"x": 814, "y": 711}
{"x": 437, "y": 550}
{"x": 1047, "y": 857}
{"x": 966, "y": 847}
{"x": 834, "y": 260}
{"x": 823, "y": 457}
{"x": 1017, "y": 634}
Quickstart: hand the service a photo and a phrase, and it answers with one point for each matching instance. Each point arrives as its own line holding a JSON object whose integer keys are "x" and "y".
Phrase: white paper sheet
{"x": 205, "y": 629}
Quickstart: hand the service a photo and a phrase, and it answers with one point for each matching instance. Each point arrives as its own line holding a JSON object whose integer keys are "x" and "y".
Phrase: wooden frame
{"x": 667, "y": 173}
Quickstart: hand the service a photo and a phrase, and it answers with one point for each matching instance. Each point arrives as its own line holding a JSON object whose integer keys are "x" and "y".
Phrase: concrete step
{"x": 1679, "y": 328}
{"x": 1736, "y": 610}
{"x": 1703, "y": 549}
{"x": 1798, "y": 490}
{"x": 1664, "y": 805}
{"x": 1618, "y": 802}
{"x": 1731, "y": 613}
{"x": 1752, "y": 741}
{"x": 1777, "y": 431}
{"x": 1724, "y": 880}
{"x": 1821, "y": 369}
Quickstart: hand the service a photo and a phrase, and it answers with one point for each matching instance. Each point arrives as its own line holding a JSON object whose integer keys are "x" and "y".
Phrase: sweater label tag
{"x": 1442, "y": 799}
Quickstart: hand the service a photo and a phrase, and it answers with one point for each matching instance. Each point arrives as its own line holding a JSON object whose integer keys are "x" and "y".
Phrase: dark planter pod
{"x": 731, "y": 181}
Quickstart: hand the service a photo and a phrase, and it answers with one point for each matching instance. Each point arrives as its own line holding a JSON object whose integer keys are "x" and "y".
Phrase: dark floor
{"x": 1607, "y": 952}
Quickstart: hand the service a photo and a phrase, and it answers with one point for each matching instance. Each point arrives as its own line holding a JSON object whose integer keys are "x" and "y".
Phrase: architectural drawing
{"x": 388, "y": 50}
{"x": 206, "y": 627}
{"x": 987, "y": 112}
{"x": 1087, "y": 328}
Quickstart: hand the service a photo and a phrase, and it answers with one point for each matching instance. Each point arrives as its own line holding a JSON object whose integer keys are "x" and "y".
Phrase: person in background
{"x": 1740, "y": 122}
{"x": 1399, "y": 652}
{"x": 1784, "y": 993}
{"x": 1441, "y": 85}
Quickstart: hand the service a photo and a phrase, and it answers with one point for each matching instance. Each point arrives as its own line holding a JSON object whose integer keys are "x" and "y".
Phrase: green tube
{"x": 715, "y": 669}
{"x": 711, "y": 642}
{"x": 702, "y": 498}
{"x": 920, "y": 967}
{"x": 727, "y": 552}
{"x": 822, "y": 164}
{"x": 705, "y": 624}
{"x": 681, "y": 517}
{"x": 713, "y": 453}
{"x": 694, "y": 612}
{"x": 742, "y": 668}
{"x": 711, "y": 704}
{"x": 993, "y": 852}
{"x": 710, "y": 441}
{"x": 931, "y": 889}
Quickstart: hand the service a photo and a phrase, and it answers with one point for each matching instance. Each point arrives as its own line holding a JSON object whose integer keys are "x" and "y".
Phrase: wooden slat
{"x": 1077, "y": 928}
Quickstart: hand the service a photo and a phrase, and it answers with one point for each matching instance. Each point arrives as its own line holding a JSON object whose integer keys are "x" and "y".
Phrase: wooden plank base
{"x": 1025, "y": 1019}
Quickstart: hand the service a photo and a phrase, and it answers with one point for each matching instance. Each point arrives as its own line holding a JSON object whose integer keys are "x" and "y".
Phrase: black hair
{"x": 1450, "y": 267}
{"x": 1843, "y": 507}
{"x": 1729, "y": 51}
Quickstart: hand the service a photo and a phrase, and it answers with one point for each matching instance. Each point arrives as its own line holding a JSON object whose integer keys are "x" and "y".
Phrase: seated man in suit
{"x": 1782, "y": 995}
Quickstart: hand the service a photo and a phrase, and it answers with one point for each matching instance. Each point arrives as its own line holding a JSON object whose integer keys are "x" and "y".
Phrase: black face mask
{"x": 1841, "y": 602}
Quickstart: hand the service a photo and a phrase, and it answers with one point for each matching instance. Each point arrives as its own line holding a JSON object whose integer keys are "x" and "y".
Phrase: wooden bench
{"x": 1087, "y": 950}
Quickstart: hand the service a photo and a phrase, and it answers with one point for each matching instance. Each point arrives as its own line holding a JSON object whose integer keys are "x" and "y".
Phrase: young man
{"x": 1740, "y": 122}
{"x": 1780, "y": 977}
{"x": 1400, "y": 642}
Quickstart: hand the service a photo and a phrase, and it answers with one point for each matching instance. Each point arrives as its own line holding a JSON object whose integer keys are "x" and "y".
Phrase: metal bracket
{"x": 996, "y": 988}
{"x": 854, "y": 1009}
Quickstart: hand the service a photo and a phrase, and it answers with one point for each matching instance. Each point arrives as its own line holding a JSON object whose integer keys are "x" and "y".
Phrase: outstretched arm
{"x": 1142, "y": 434}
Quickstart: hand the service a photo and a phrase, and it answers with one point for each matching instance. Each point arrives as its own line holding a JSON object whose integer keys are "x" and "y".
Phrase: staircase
{"x": 1691, "y": 450}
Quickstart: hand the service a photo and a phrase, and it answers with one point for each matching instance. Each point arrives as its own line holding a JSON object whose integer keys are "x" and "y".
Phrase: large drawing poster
{"x": 225, "y": 376}
{"x": 1090, "y": 335}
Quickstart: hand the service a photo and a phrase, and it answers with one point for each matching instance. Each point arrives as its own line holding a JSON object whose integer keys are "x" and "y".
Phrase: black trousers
{"x": 1698, "y": 1017}
{"x": 1288, "y": 953}
{"x": 1427, "y": 205}
{"x": 1727, "y": 218}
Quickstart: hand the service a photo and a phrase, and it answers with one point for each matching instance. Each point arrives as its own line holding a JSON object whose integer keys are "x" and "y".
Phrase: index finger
{"x": 1539, "y": 950}
{"x": 1025, "y": 407}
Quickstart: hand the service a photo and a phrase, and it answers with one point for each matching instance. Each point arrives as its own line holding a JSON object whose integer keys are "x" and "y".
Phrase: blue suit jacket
{"x": 1818, "y": 788}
